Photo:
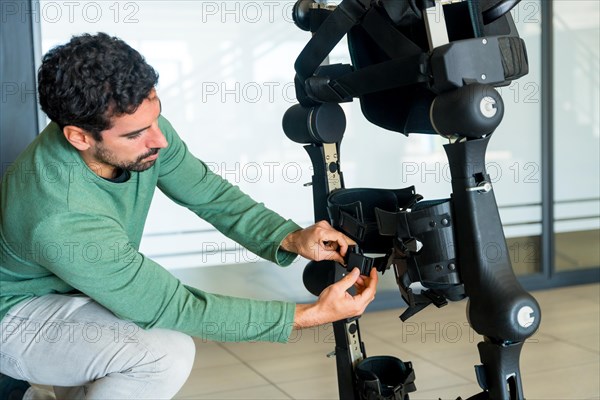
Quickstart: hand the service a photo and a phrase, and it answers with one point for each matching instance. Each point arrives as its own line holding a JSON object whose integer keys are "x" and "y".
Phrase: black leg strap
{"x": 331, "y": 31}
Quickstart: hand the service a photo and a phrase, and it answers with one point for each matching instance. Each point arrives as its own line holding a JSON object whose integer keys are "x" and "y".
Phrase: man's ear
{"x": 78, "y": 137}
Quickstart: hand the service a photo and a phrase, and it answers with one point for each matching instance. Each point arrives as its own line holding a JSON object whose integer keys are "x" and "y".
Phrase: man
{"x": 81, "y": 309}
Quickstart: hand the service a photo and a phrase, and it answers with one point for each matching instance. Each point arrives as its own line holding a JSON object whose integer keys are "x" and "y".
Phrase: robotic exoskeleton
{"x": 418, "y": 66}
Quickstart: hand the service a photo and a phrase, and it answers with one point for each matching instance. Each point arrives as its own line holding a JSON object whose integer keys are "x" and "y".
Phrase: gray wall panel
{"x": 18, "y": 104}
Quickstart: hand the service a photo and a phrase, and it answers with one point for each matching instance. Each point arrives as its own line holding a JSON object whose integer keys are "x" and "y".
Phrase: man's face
{"x": 132, "y": 144}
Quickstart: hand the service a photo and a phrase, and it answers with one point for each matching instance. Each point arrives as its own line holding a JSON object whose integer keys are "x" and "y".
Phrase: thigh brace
{"x": 415, "y": 237}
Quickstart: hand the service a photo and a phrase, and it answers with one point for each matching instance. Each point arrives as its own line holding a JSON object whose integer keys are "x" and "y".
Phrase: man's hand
{"x": 335, "y": 303}
{"x": 318, "y": 242}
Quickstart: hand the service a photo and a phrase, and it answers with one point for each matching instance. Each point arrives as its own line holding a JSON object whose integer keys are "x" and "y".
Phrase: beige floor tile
{"x": 380, "y": 318}
{"x": 567, "y": 309}
{"x": 447, "y": 393}
{"x": 589, "y": 341}
{"x": 433, "y": 339}
{"x": 317, "y": 366}
{"x": 251, "y": 393}
{"x": 376, "y": 346}
{"x": 429, "y": 376}
{"x": 210, "y": 354}
{"x": 318, "y": 339}
{"x": 591, "y": 291}
{"x": 541, "y": 357}
{"x": 588, "y": 291}
{"x": 323, "y": 388}
{"x": 576, "y": 382}
{"x": 571, "y": 328}
{"x": 535, "y": 358}
{"x": 204, "y": 381}
{"x": 452, "y": 311}
{"x": 297, "y": 367}
{"x": 462, "y": 365}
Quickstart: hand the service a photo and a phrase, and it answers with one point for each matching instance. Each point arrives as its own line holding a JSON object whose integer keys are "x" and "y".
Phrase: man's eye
{"x": 134, "y": 136}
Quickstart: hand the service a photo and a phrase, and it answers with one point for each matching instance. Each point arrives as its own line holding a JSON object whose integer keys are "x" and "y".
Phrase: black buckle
{"x": 355, "y": 258}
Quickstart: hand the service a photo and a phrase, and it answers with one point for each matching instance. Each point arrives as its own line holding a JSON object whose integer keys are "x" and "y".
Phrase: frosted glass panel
{"x": 577, "y": 102}
{"x": 577, "y": 134}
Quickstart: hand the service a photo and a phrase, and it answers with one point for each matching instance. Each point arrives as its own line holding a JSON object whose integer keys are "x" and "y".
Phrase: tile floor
{"x": 562, "y": 361}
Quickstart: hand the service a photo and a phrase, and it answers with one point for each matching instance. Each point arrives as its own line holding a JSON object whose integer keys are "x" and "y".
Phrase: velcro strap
{"x": 383, "y": 76}
{"x": 514, "y": 57}
{"x": 351, "y": 226}
{"x": 425, "y": 216}
{"x": 392, "y": 223}
{"x": 348, "y": 218}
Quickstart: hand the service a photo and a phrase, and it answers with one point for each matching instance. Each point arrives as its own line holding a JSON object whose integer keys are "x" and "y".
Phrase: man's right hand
{"x": 335, "y": 303}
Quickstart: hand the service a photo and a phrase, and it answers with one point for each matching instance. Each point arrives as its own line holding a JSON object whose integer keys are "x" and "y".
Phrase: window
{"x": 576, "y": 134}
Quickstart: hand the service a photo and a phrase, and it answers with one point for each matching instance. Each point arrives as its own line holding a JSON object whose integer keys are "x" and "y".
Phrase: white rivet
{"x": 487, "y": 106}
{"x": 525, "y": 317}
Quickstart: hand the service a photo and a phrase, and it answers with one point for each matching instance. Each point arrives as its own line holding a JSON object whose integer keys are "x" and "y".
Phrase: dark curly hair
{"x": 91, "y": 79}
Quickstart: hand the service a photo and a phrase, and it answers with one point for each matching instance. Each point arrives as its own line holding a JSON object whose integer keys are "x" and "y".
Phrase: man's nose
{"x": 157, "y": 140}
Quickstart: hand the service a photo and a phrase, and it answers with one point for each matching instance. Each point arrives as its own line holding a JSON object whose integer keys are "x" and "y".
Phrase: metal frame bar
{"x": 547, "y": 142}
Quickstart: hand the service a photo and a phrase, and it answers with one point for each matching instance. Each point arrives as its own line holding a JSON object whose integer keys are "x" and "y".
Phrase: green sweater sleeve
{"x": 102, "y": 264}
{"x": 190, "y": 183}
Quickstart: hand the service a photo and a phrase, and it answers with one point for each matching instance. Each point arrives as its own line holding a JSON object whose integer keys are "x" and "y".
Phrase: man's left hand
{"x": 318, "y": 242}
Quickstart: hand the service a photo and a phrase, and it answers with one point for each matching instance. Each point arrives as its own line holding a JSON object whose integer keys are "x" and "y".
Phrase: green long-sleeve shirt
{"x": 64, "y": 229}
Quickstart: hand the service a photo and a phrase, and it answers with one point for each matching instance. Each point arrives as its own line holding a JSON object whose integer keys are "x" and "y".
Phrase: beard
{"x": 105, "y": 156}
